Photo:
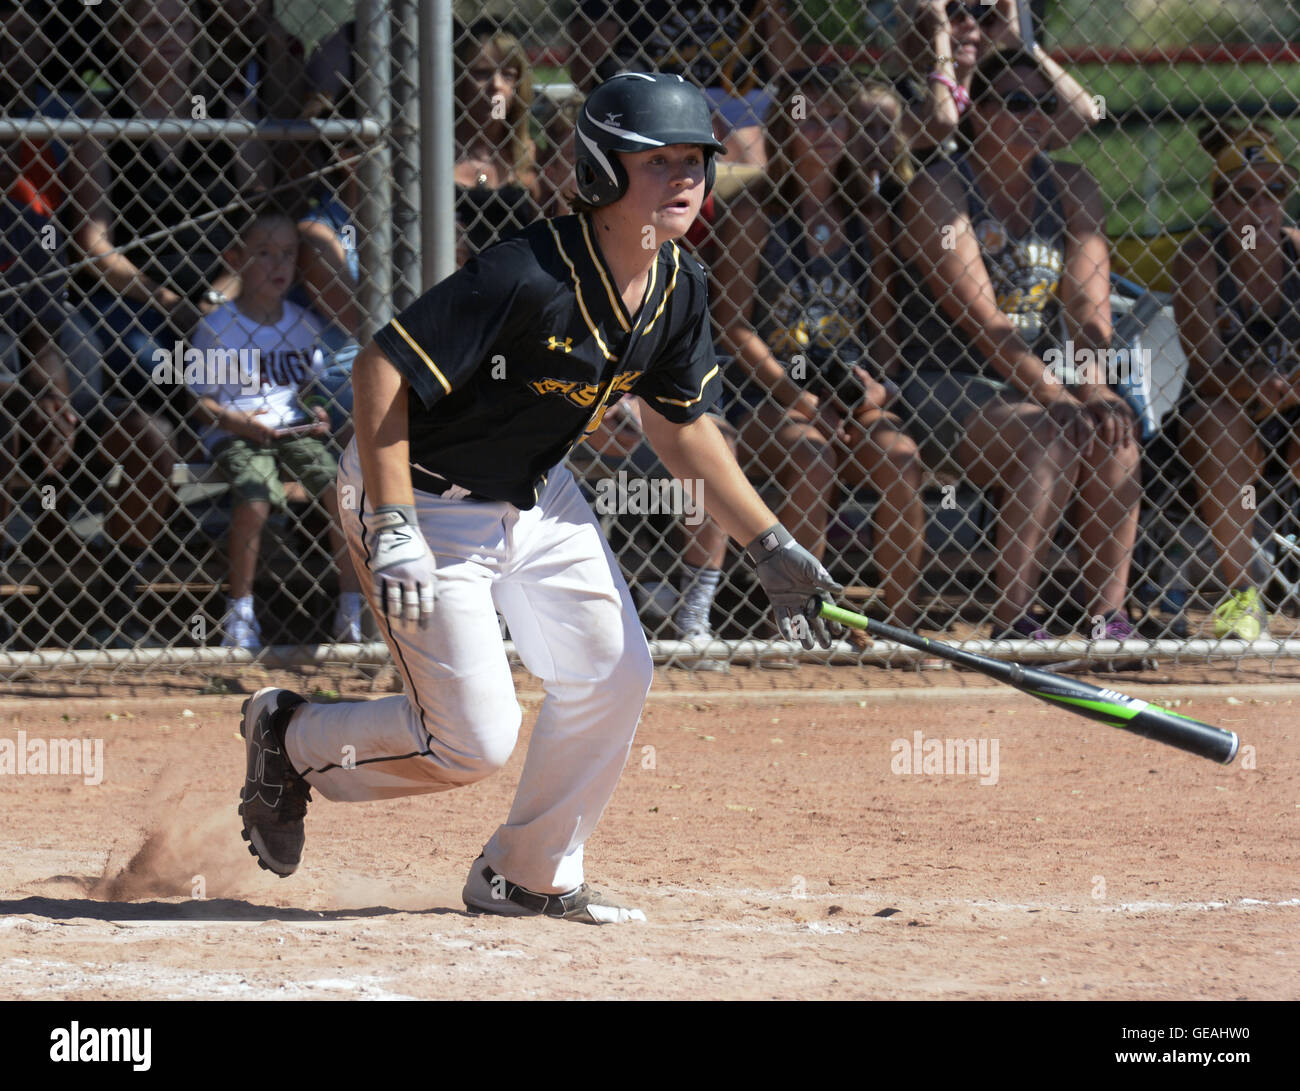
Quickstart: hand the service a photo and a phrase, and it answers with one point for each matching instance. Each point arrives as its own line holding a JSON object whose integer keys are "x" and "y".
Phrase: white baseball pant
{"x": 551, "y": 574}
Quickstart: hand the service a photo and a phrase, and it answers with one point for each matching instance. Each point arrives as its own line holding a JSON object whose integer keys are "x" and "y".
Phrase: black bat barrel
{"x": 1106, "y": 706}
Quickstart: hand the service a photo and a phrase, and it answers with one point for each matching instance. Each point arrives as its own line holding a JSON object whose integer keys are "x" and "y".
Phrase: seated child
{"x": 256, "y": 353}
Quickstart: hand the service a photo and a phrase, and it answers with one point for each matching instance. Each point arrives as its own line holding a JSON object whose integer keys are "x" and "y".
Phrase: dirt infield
{"x": 778, "y": 844}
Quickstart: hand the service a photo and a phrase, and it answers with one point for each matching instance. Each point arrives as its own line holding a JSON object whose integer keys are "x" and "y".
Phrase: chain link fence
{"x": 1006, "y": 297}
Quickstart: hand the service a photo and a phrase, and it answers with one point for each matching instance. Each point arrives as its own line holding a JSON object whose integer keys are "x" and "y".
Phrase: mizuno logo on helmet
{"x": 612, "y": 119}
{"x": 614, "y": 130}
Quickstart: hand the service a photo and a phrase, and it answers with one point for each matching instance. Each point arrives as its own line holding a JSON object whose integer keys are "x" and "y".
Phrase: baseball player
{"x": 456, "y": 505}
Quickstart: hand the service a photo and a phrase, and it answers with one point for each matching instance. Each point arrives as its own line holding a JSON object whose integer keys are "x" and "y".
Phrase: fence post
{"x": 437, "y": 142}
{"x": 375, "y": 214}
{"x": 406, "y": 153}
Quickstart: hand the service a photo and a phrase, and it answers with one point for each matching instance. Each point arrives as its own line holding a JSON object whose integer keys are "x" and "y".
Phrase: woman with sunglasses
{"x": 803, "y": 305}
{"x": 939, "y": 45}
{"x": 498, "y": 184}
{"x": 1237, "y": 302}
{"x": 999, "y": 242}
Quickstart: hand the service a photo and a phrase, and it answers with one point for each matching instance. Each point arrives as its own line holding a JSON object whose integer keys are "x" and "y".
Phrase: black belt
{"x": 437, "y": 485}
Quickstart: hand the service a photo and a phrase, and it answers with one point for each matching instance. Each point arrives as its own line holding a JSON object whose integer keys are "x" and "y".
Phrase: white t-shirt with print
{"x": 248, "y": 366}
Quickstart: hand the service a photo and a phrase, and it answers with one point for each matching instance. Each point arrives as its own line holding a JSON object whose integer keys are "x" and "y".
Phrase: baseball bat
{"x": 1104, "y": 705}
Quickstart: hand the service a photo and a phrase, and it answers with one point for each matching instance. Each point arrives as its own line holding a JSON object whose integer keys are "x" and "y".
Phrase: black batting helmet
{"x": 632, "y": 112}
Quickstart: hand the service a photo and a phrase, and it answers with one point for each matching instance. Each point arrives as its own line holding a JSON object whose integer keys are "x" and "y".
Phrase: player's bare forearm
{"x": 697, "y": 451}
{"x": 382, "y": 432}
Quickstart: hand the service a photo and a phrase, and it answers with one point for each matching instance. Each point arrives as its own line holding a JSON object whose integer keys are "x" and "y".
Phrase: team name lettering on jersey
{"x": 585, "y": 395}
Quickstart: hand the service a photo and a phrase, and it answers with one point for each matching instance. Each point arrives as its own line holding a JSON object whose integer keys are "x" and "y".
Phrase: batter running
{"x": 456, "y": 503}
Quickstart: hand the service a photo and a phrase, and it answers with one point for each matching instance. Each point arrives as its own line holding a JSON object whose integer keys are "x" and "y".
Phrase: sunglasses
{"x": 979, "y": 13}
{"x": 1022, "y": 102}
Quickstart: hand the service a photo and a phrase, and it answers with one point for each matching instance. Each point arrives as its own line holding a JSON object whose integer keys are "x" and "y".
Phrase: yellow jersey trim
{"x": 428, "y": 362}
{"x": 672, "y": 283}
{"x": 615, "y": 304}
{"x": 577, "y": 291}
{"x": 697, "y": 398}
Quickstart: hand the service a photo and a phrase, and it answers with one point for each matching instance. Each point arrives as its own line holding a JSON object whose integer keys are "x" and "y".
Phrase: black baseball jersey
{"x": 515, "y": 357}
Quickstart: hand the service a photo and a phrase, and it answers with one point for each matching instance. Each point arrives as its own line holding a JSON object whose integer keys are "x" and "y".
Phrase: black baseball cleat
{"x": 487, "y": 892}
{"x": 274, "y": 800}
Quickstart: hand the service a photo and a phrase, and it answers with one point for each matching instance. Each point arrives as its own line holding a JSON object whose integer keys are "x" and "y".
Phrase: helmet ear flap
{"x": 710, "y": 173}
{"x": 594, "y": 185}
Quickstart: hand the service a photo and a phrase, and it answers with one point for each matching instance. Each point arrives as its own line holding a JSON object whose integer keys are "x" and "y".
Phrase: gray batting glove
{"x": 404, "y": 570}
{"x": 794, "y": 581}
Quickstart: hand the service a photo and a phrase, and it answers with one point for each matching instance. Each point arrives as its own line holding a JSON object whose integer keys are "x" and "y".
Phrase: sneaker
{"x": 1118, "y": 627}
{"x": 240, "y": 632}
{"x": 1241, "y": 615}
{"x": 703, "y": 637}
{"x": 274, "y": 799}
{"x": 487, "y": 892}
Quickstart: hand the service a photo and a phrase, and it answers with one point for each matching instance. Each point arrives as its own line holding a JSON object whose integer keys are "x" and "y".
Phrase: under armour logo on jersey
{"x": 556, "y": 345}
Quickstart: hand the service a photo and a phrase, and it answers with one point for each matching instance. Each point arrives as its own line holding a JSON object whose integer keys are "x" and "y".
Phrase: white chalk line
{"x": 49, "y": 978}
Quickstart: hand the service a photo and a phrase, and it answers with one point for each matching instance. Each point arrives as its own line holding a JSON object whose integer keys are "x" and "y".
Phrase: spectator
{"x": 152, "y": 232}
{"x": 998, "y": 242}
{"x": 34, "y": 82}
{"x": 498, "y": 185}
{"x": 1237, "y": 302}
{"x": 260, "y": 68}
{"x": 256, "y": 428}
{"x": 939, "y": 44}
{"x": 557, "y": 120}
{"x": 332, "y": 76}
{"x": 804, "y": 284}
{"x": 38, "y": 418}
{"x": 329, "y": 271}
{"x": 731, "y": 50}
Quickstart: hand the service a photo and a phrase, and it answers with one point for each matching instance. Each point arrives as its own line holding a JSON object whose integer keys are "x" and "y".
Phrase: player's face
{"x": 665, "y": 188}
{"x": 269, "y": 262}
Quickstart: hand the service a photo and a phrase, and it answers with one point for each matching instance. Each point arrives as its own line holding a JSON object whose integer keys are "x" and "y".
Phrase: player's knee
{"x": 492, "y": 744}
{"x": 635, "y": 670}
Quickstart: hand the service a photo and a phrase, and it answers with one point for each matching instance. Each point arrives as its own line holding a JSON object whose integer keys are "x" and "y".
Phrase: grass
{"x": 1155, "y": 176}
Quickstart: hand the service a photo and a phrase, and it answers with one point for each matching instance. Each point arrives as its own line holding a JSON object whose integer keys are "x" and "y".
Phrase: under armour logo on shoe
{"x": 259, "y": 764}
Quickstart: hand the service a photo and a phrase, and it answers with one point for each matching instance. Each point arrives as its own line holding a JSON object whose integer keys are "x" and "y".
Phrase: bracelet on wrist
{"x": 959, "y": 93}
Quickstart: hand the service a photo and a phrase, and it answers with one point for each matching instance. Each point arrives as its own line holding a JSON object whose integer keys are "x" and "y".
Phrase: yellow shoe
{"x": 1241, "y": 615}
